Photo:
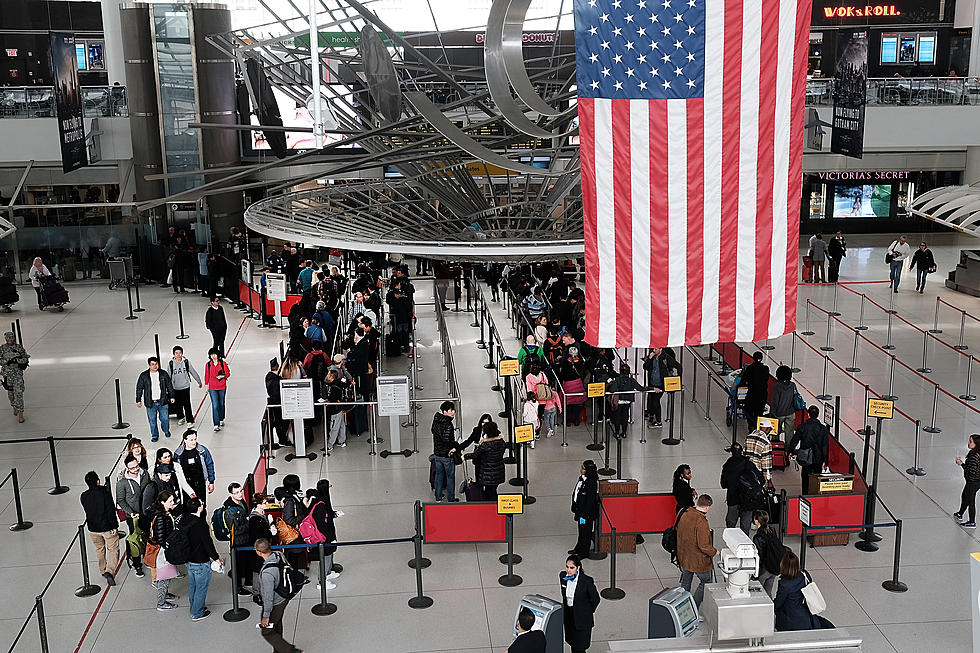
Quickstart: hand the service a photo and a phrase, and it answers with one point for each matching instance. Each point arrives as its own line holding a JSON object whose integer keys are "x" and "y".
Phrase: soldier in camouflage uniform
{"x": 12, "y": 357}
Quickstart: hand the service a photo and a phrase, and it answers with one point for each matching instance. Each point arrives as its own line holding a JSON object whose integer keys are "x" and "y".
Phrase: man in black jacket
{"x": 153, "y": 388}
{"x": 810, "y": 441}
{"x": 527, "y": 640}
{"x": 756, "y": 377}
{"x": 103, "y": 526}
{"x": 274, "y": 400}
{"x": 199, "y": 556}
{"x": 215, "y": 322}
{"x": 738, "y": 476}
{"x": 333, "y": 394}
{"x": 162, "y": 480}
{"x": 443, "y": 449}
{"x": 401, "y": 315}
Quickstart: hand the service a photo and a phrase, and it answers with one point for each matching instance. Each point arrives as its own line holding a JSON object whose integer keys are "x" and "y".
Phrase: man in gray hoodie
{"x": 273, "y": 603}
{"x": 181, "y": 373}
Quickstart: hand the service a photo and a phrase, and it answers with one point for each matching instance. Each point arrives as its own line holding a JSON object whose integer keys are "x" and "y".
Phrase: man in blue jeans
{"x": 443, "y": 448}
{"x": 695, "y": 552}
{"x": 899, "y": 251}
{"x": 154, "y": 389}
{"x": 199, "y": 557}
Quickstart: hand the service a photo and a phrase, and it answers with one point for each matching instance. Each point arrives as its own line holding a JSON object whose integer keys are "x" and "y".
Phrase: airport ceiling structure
{"x": 480, "y": 159}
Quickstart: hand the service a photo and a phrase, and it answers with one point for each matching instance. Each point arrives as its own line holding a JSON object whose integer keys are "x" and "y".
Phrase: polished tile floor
{"x": 78, "y": 354}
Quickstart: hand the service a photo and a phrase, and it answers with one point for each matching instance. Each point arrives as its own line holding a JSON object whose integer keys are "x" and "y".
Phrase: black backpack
{"x": 751, "y": 494}
{"x": 772, "y": 555}
{"x": 177, "y": 547}
{"x": 669, "y": 539}
{"x": 291, "y": 580}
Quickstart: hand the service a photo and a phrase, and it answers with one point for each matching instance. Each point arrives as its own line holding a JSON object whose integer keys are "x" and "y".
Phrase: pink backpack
{"x": 308, "y": 530}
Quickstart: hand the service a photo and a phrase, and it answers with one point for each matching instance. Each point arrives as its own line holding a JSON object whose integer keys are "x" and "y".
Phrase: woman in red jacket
{"x": 216, "y": 374}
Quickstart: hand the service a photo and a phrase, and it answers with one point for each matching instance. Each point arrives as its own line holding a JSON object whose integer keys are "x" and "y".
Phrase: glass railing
{"x": 38, "y": 101}
{"x": 903, "y": 91}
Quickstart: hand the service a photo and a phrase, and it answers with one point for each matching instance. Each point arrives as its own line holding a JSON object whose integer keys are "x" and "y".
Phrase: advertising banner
{"x": 68, "y": 100}
{"x": 850, "y": 91}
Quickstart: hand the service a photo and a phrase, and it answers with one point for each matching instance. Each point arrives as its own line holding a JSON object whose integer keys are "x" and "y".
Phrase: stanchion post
{"x": 596, "y": 445}
{"x": 767, "y": 346}
{"x": 20, "y": 336}
{"x": 418, "y": 560}
{"x": 915, "y": 470}
{"x": 935, "y": 323}
{"x": 419, "y": 601}
{"x": 129, "y": 300}
{"x": 707, "y": 397}
{"x": 932, "y": 428}
{"x": 861, "y": 325}
{"x": 510, "y": 579}
{"x": 58, "y": 488}
{"x": 834, "y": 312}
{"x": 237, "y": 612}
{"x": 792, "y": 354}
{"x": 670, "y": 439}
{"x": 925, "y": 369}
{"x": 21, "y": 524}
{"x": 156, "y": 345}
{"x": 867, "y": 451}
{"x": 612, "y": 592}
{"x": 967, "y": 395}
{"x": 823, "y": 396}
{"x": 42, "y": 628}
{"x": 854, "y": 354}
{"x": 893, "y": 584}
{"x": 867, "y": 427}
{"x": 960, "y": 345}
{"x": 564, "y": 423}
{"x": 891, "y": 381}
{"x": 680, "y": 428}
{"x": 806, "y": 321}
{"x": 802, "y": 555}
{"x": 891, "y": 300}
{"x": 120, "y": 424}
{"x": 87, "y": 588}
{"x": 323, "y": 608}
{"x": 888, "y": 346}
{"x": 180, "y": 319}
{"x": 868, "y": 537}
{"x": 136, "y": 289}
{"x": 606, "y": 470}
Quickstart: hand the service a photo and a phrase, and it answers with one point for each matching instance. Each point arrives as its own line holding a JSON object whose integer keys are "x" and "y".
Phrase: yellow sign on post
{"x": 510, "y": 504}
{"x": 767, "y": 421}
{"x": 882, "y": 408}
{"x": 672, "y": 383}
{"x": 596, "y": 390}
{"x": 509, "y": 367}
{"x": 523, "y": 433}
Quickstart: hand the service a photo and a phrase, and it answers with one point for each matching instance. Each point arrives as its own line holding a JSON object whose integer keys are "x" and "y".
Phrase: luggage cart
{"x": 120, "y": 272}
{"x": 53, "y": 294}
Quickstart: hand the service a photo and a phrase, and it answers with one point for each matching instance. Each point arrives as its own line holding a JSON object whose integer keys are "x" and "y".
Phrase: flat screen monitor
{"x": 862, "y": 201}
{"x": 538, "y": 162}
{"x": 889, "y": 48}
{"x": 906, "y": 50}
{"x": 82, "y": 62}
{"x": 927, "y": 49}
{"x": 96, "y": 56}
{"x": 686, "y": 613}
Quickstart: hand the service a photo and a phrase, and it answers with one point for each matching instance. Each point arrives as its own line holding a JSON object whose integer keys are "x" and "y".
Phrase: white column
{"x": 315, "y": 70}
{"x": 115, "y": 66}
{"x": 971, "y": 174}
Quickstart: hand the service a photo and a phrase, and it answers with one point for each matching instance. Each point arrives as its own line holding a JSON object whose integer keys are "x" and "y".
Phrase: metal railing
{"x": 902, "y": 91}
{"x": 39, "y": 102}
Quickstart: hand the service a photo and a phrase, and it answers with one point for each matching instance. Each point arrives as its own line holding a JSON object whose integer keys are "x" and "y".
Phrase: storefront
{"x": 907, "y": 38}
{"x": 867, "y": 201}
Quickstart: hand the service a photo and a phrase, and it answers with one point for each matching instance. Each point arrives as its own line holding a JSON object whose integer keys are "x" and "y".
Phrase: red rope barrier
{"x": 958, "y": 309}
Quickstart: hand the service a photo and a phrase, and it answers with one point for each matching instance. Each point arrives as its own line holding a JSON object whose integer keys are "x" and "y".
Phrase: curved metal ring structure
{"x": 957, "y": 207}
{"x": 513, "y": 53}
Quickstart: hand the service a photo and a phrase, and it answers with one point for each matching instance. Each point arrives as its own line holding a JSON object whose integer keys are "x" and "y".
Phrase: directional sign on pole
{"x": 881, "y": 408}
{"x": 804, "y": 512}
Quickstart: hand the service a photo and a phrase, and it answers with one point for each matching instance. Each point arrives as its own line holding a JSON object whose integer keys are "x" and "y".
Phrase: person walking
{"x": 103, "y": 526}
{"x": 13, "y": 361}
{"x": 683, "y": 493}
{"x": 214, "y": 320}
{"x": 818, "y": 252}
{"x": 971, "y": 476}
{"x": 836, "y": 251}
{"x": 201, "y": 554}
{"x": 898, "y": 251}
{"x": 443, "y": 449}
{"x": 216, "y": 375}
{"x": 273, "y": 602}
{"x": 811, "y": 444}
{"x": 153, "y": 388}
{"x": 741, "y": 478}
{"x": 585, "y": 507}
{"x": 130, "y": 485}
{"x": 579, "y": 600}
{"x": 181, "y": 372}
{"x": 924, "y": 263}
{"x": 783, "y": 403}
{"x": 694, "y": 548}
{"x": 488, "y": 458}
{"x": 196, "y": 466}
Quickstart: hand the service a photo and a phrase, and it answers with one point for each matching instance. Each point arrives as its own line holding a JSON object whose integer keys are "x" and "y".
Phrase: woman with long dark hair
{"x": 323, "y": 516}
{"x": 294, "y": 511}
{"x": 216, "y": 374}
{"x": 683, "y": 493}
{"x": 971, "y": 474}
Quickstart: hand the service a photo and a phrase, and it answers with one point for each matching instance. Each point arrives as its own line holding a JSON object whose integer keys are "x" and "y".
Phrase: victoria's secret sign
{"x": 862, "y": 175}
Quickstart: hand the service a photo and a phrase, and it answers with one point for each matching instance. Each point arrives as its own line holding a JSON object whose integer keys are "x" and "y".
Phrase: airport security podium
{"x": 673, "y": 613}
{"x": 547, "y": 618}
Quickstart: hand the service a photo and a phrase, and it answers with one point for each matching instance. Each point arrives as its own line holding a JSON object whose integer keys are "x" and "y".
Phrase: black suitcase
{"x": 393, "y": 348}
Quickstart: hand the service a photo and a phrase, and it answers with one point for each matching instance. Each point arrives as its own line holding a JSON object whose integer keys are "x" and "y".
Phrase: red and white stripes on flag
{"x": 692, "y": 205}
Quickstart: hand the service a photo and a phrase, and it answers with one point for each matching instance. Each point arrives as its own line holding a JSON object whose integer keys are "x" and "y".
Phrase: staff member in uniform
{"x": 579, "y": 599}
{"x": 585, "y": 507}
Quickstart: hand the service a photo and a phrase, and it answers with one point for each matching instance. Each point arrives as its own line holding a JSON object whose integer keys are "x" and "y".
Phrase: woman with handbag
{"x": 924, "y": 263}
{"x": 293, "y": 513}
{"x": 323, "y": 516}
{"x": 162, "y": 524}
{"x": 488, "y": 458}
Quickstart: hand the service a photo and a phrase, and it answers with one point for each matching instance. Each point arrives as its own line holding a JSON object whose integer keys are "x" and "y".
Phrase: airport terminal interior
{"x": 156, "y": 153}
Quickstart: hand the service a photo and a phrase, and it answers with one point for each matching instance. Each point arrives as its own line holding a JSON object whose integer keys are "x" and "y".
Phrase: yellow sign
{"x": 509, "y": 367}
{"x": 523, "y": 433}
{"x": 510, "y": 504}
{"x": 836, "y": 485}
{"x": 880, "y": 408}
{"x": 767, "y": 421}
{"x": 672, "y": 383}
{"x": 597, "y": 390}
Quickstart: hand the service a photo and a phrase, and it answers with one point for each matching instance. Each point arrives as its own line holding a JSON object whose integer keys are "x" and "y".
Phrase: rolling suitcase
{"x": 780, "y": 460}
{"x": 807, "y": 269}
{"x": 469, "y": 488}
{"x": 393, "y": 348}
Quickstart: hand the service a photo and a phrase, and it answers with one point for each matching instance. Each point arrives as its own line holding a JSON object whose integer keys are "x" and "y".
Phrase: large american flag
{"x": 691, "y": 124}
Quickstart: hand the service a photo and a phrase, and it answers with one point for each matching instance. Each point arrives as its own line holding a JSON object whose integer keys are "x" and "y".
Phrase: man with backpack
{"x": 229, "y": 523}
{"x": 275, "y": 597}
{"x": 200, "y": 554}
{"x": 316, "y": 366}
{"x": 811, "y": 444}
{"x": 745, "y": 485}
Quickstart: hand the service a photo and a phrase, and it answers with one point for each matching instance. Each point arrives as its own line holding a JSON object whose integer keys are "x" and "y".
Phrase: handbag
{"x": 798, "y": 402}
{"x": 135, "y": 542}
{"x": 165, "y": 570}
{"x": 812, "y": 596}
{"x": 804, "y": 456}
{"x": 152, "y": 550}
{"x": 889, "y": 257}
{"x": 286, "y": 532}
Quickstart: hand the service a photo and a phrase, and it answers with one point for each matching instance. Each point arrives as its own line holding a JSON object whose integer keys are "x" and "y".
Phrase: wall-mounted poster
{"x": 68, "y": 101}
{"x": 906, "y": 50}
{"x": 850, "y": 94}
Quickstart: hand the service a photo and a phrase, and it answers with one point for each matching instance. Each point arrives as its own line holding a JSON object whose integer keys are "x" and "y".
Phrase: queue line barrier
{"x": 253, "y": 300}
